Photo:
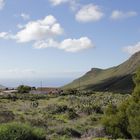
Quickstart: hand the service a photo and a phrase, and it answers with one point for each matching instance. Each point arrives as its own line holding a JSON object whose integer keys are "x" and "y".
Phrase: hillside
{"x": 115, "y": 79}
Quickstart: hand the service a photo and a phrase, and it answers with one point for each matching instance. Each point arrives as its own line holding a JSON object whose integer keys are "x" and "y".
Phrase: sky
{"x": 56, "y": 41}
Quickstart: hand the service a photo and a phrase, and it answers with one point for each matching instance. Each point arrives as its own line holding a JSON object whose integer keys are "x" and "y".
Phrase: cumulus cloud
{"x": 2, "y": 3}
{"x": 132, "y": 48}
{"x": 69, "y": 45}
{"x": 89, "y": 13}
{"x": 25, "y": 16}
{"x": 43, "y": 34}
{"x": 20, "y": 26}
{"x": 75, "y": 45}
{"x": 6, "y": 35}
{"x": 58, "y": 2}
{"x": 72, "y": 3}
{"x": 45, "y": 44}
{"x": 35, "y": 30}
{"x": 117, "y": 15}
{"x": 40, "y": 29}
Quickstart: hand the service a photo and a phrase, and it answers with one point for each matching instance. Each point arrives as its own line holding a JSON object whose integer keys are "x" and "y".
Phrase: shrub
{"x": 90, "y": 108}
{"x": 68, "y": 132}
{"x": 18, "y": 131}
{"x": 34, "y": 104}
{"x": 111, "y": 109}
{"x": 56, "y": 109}
{"x": 116, "y": 125}
{"x": 133, "y": 110}
{"x": 72, "y": 114}
{"x": 72, "y": 92}
{"x": 133, "y": 113}
{"x": 124, "y": 122}
{"x": 6, "y": 116}
{"x": 24, "y": 89}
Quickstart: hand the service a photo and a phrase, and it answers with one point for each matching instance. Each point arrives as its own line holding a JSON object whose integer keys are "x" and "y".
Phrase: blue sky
{"x": 63, "y": 39}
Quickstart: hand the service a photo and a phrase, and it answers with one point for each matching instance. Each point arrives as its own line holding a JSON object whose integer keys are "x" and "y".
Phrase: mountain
{"x": 114, "y": 79}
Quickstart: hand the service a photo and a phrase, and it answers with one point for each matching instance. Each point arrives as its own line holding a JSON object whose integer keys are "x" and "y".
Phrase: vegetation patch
{"x": 123, "y": 121}
{"x": 18, "y": 131}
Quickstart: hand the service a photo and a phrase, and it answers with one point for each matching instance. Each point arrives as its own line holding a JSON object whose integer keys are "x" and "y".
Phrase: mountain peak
{"x": 116, "y": 79}
{"x": 136, "y": 54}
{"x": 96, "y": 69}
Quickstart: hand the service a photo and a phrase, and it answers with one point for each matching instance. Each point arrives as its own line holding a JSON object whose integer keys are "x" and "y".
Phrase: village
{"x": 30, "y": 90}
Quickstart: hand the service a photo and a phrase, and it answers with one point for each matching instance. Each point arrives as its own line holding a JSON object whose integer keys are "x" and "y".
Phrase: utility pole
{"x": 79, "y": 84}
{"x": 41, "y": 86}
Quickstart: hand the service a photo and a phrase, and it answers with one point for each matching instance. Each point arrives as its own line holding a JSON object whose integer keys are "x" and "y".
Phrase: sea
{"x": 49, "y": 82}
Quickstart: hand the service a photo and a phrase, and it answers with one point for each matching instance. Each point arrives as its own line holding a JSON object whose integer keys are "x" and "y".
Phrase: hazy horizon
{"x": 57, "y": 80}
{"x": 50, "y": 82}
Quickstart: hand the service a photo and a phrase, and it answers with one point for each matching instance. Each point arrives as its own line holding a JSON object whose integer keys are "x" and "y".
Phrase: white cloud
{"x": 72, "y": 3}
{"x": 20, "y": 26}
{"x": 6, "y": 35}
{"x": 43, "y": 34}
{"x": 40, "y": 29}
{"x": 89, "y": 13}
{"x": 45, "y": 44}
{"x": 75, "y": 45}
{"x": 25, "y": 16}
{"x": 58, "y": 2}
{"x": 69, "y": 45}
{"x": 2, "y": 3}
{"x": 35, "y": 30}
{"x": 117, "y": 15}
{"x": 132, "y": 48}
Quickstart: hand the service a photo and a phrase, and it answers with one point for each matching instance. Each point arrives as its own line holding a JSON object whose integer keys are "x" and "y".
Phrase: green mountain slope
{"x": 116, "y": 79}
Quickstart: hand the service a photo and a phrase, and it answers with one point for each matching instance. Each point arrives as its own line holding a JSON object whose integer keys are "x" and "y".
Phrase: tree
{"x": 124, "y": 122}
{"x": 24, "y": 89}
{"x": 133, "y": 110}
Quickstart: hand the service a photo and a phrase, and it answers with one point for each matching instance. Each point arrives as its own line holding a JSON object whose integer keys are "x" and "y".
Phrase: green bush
{"x": 133, "y": 113}
{"x": 72, "y": 114}
{"x": 124, "y": 121}
{"x": 6, "y": 116}
{"x": 133, "y": 110}
{"x": 116, "y": 123}
{"x": 24, "y": 89}
{"x": 56, "y": 109}
{"x": 72, "y": 92}
{"x": 70, "y": 132}
{"x": 18, "y": 131}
